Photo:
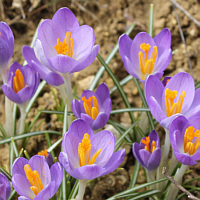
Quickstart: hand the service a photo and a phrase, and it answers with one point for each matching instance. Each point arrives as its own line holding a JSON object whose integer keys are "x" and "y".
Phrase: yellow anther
{"x": 34, "y": 179}
{"x": 91, "y": 106}
{"x": 67, "y": 46}
{"x": 18, "y": 81}
{"x": 146, "y": 63}
{"x": 153, "y": 146}
{"x": 147, "y": 147}
{"x": 191, "y": 140}
{"x": 171, "y": 107}
{"x": 84, "y": 149}
{"x": 43, "y": 153}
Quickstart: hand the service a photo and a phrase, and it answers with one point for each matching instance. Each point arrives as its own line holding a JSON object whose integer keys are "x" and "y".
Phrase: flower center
{"x": 190, "y": 147}
{"x": 67, "y": 46}
{"x": 43, "y": 153}
{"x": 91, "y": 106}
{"x": 171, "y": 107}
{"x": 84, "y": 149}
{"x": 18, "y": 81}
{"x": 147, "y": 147}
{"x": 146, "y": 64}
{"x": 34, "y": 179}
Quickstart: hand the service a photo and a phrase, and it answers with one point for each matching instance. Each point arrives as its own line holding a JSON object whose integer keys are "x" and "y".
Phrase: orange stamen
{"x": 43, "y": 153}
{"x": 146, "y": 64}
{"x": 67, "y": 46}
{"x": 171, "y": 107}
{"x": 18, "y": 81}
{"x": 84, "y": 149}
{"x": 90, "y": 110}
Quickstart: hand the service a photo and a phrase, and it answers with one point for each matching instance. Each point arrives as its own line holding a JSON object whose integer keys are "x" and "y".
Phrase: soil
{"x": 109, "y": 19}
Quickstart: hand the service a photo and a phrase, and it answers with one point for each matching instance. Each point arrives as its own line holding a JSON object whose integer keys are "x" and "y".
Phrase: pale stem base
{"x": 22, "y": 120}
{"x": 81, "y": 190}
{"x": 173, "y": 163}
{"x": 9, "y": 118}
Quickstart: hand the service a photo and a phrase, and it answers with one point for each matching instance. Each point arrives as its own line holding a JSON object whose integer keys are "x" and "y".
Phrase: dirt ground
{"x": 109, "y": 18}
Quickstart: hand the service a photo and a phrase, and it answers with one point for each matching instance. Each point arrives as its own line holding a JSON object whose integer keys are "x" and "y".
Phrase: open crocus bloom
{"x": 33, "y": 179}
{"x": 4, "y": 187}
{"x": 22, "y": 83}
{"x": 63, "y": 45}
{"x": 146, "y": 55}
{"x": 87, "y": 156}
{"x": 148, "y": 152}
{"x": 177, "y": 97}
{"x": 51, "y": 77}
{"x": 6, "y": 46}
{"x": 94, "y": 107}
{"x": 185, "y": 139}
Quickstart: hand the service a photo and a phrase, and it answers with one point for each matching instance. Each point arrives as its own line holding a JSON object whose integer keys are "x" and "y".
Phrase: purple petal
{"x": 168, "y": 120}
{"x": 76, "y": 108}
{"x": 63, "y": 64}
{"x": 88, "y": 60}
{"x": 165, "y": 80}
{"x": 54, "y": 79}
{"x": 89, "y": 172}
{"x": 49, "y": 159}
{"x": 107, "y": 106}
{"x": 65, "y": 18}
{"x": 105, "y": 141}
{"x": 103, "y": 92}
{"x": 18, "y": 166}
{"x": 87, "y": 119}
{"x": 114, "y": 162}
{"x": 144, "y": 156}
{"x": 100, "y": 121}
{"x": 23, "y": 198}
{"x": 185, "y": 158}
{"x": 177, "y": 141}
{"x": 154, "y": 137}
{"x": 125, "y": 46}
{"x": 4, "y": 186}
{"x": 154, "y": 160}
{"x": 163, "y": 41}
{"x": 135, "y": 149}
{"x": 63, "y": 159}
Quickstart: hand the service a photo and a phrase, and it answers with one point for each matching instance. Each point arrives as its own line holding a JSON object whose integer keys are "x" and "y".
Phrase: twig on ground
{"x": 183, "y": 39}
{"x": 190, "y": 196}
{"x": 185, "y": 12}
{"x": 22, "y": 10}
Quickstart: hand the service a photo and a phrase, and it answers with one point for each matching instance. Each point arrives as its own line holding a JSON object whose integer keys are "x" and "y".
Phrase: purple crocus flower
{"x": 94, "y": 107}
{"x": 4, "y": 187}
{"x": 177, "y": 97}
{"x": 48, "y": 157}
{"x": 146, "y": 55}
{"x": 22, "y": 83}
{"x": 87, "y": 155}
{"x": 51, "y": 77}
{"x": 148, "y": 152}
{"x": 63, "y": 45}
{"x": 33, "y": 179}
{"x": 6, "y": 46}
{"x": 184, "y": 136}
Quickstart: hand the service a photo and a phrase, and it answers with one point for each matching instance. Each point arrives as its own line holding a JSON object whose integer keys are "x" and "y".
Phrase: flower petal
{"x": 154, "y": 159}
{"x": 76, "y": 108}
{"x": 100, "y": 121}
{"x": 18, "y": 166}
{"x": 125, "y": 46}
{"x": 103, "y": 89}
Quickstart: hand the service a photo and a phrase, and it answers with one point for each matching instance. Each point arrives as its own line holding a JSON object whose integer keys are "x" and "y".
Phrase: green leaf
{"x": 49, "y": 144}
{"x": 129, "y": 110}
{"x": 2, "y": 131}
{"x": 150, "y": 31}
{"x": 54, "y": 145}
{"x": 74, "y": 190}
{"x": 134, "y": 174}
{"x": 8, "y": 175}
{"x": 197, "y": 85}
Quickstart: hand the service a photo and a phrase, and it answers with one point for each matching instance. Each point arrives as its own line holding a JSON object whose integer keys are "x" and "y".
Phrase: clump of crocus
{"x": 86, "y": 155}
{"x": 33, "y": 179}
{"x": 4, "y": 187}
{"x": 148, "y": 152}
{"x": 94, "y": 107}
{"x": 177, "y": 97}
{"x": 145, "y": 55}
{"x": 6, "y": 48}
{"x": 48, "y": 157}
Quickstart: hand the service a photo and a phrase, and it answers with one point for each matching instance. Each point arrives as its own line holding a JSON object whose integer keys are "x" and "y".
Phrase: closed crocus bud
{"x": 33, "y": 179}
{"x": 63, "y": 45}
{"x": 148, "y": 152}
{"x": 48, "y": 157}
{"x": 94, "y": 107}
{"x": 145, "y": 55}
{"x": 4, "y": 187}
{"x": 22, "y": 83}
{"x": 86, "y": 155}
{"x": 6, "y": 46}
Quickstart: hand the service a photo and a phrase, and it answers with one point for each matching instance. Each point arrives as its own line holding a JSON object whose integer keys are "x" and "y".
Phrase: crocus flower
{"x": 184, "y": 136}
{"x": 6, "y": 46}
{"x": 4, "y": 187}
{"x": 148, "y": 152}
{"x": 51, "y": 77}
{"x": 63, "y": 45}
{"x": 48, "y": 157}
{"x": 87, "y": 155}
{"x": 94, "y": 107}
{"x": 32, "y": 179}
{"x": 177, "y": 97}
{"x": 22, "y": 83}
{"x": 146, "y": 55}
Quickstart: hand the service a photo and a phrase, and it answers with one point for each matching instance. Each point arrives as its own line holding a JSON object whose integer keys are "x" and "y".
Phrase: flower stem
{"x": 9, "y": 118}
{"x": 81, "y": 190}
{"x": 173, "y": 163}
{"x": 21, "y": 122}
